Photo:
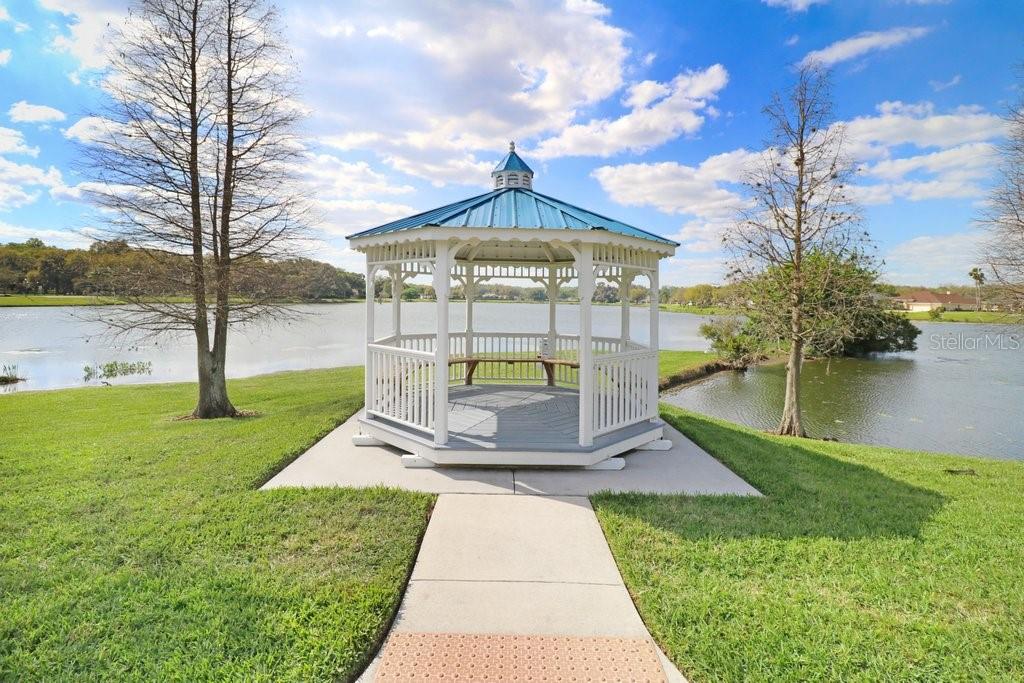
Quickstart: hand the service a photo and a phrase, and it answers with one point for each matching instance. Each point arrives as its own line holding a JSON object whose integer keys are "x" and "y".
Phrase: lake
{"x": 962, "y": 391}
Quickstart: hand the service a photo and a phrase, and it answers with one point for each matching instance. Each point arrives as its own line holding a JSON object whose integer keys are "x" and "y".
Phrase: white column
{"x": 653, "y": 372}
{"x": 441, "y": 282}
{"x": 552, "y": 309}
{"x": 625, "y": 283}
{"x": 585, "y": 274}
{"x": 371, "y": 271}
{"x": 470, "y": 295}
{"x": 396, "y": 302}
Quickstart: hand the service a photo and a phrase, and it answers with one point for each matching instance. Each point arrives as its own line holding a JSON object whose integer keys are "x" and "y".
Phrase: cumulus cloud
{"x": 88, "y": 24}
{"x": 5, "y": 57}
{"x": 659, "y": 112}
{"x": 928, "y": 259}
{"x": 23, "y": 112}
{"x": 89, "y": 129}
{"x": 701, "y": 191}
{"x": 22, "y": 184}
{"x": 899, "y": 123}
{"x": 438, "y": 106}
{"x": 863, "y": 43}
{"x": 13, "y": 142}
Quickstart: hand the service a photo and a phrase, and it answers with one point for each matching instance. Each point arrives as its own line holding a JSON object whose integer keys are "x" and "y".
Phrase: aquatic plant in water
{"x": 9, "y": 374}
{"x": 116, "y": 368}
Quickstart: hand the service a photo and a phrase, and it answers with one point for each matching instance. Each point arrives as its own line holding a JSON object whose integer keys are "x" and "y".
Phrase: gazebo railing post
{"x": 625, "y": 283}
{"x": 396, "y": 302}
{"x": 552, "y": 309}
{"x": 585, "y": 275}
{"x": 470, "y": 296}
{"x": 442, "y": 279}
{"x": 368, "y": 378}
{"x": 655, "y": 295}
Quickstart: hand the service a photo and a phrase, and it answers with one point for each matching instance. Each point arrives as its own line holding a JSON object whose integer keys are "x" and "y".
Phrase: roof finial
{"x": 512, "y": 145}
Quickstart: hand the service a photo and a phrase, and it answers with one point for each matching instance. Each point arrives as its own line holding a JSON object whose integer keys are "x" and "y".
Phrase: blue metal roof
{"x": 512, "y": 162}
{"x": 513, "y": 208}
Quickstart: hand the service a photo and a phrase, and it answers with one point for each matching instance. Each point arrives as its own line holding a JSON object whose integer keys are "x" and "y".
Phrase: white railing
{"x": 401, "y": 385}
{"x": 403, "y": 368}
{"x": 625, "y": 389}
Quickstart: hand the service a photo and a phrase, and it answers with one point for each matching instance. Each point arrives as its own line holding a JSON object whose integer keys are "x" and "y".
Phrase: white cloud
{"x": 89, "y": 21}
{"x": 59, "y": 238}
{"x": 899, "y": 123}
{"x": 792, "y": 40}
{"x": 939, "y": 86}
{"x": 434, "y": 104}
{"x": 699, "y": 191}
{"x": 659, "y": 112}
{"x": 863, "y": 43}
{"x": 683, "y": 271}
{"x": 19, "y": 27}
{"x": 931, "y": 259}
{"x": 89, "y": 129}
{"x": 23, "y": 112}
{"x": 22, "y": 184}
{"x": 794, "y": 5}
{"x": 13, "y": 142}
{"x": 330, "y": 176}
{"x": 5, "y": 57}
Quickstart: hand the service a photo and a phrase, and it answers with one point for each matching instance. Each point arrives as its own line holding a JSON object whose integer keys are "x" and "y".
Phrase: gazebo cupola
{"x": 512, "y": 171}
{"x": 541, "y": 390}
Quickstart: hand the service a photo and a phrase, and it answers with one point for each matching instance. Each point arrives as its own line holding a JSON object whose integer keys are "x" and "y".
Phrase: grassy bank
{"x": 680, "y": 367}
{"x": 696, "y": 310}
{"x": 135, "y": 546}
{"x": 967, "y": 317}
{"x": 7, "y": 300}
{"x": 860, "y": 563}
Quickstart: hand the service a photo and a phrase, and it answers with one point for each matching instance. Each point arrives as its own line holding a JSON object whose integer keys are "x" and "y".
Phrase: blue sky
{"x": 647, "y": 112}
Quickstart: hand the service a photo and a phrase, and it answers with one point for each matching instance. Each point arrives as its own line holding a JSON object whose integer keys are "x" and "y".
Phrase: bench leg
{"x": 470, "y": 369}
{"x": 549, "y": 369}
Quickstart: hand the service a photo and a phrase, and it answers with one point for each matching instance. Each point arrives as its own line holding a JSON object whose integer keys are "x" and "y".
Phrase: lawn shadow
{"x": 808, "y": 491}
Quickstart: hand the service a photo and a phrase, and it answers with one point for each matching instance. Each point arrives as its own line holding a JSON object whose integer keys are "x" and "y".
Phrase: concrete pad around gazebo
{"x": 512, "y": 398}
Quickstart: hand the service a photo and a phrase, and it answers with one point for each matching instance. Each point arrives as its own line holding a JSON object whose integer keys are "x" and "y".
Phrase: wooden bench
{"x": 548, "y": 364}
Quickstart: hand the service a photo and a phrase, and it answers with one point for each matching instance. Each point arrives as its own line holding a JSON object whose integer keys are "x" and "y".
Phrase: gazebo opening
{"x": 529, "y": 394}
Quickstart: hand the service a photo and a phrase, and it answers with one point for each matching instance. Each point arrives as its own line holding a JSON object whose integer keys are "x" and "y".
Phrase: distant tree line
{"x": 112, "y": 268}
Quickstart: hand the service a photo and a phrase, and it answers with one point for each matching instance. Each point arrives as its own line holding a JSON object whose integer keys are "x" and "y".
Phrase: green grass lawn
{"x": 135, "y": 547}
{"x": 967, "y": 317}
{"x": 860, "y": 563}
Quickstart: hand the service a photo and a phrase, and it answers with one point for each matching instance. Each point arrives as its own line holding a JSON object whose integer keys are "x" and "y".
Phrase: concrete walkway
{"x": 684, "y": 469}
{"x": 514, "y": 578}
{"x": 527, "y": 566}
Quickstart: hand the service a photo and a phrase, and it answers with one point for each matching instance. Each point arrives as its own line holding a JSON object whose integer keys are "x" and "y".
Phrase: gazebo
{"x": 511, "y": 398}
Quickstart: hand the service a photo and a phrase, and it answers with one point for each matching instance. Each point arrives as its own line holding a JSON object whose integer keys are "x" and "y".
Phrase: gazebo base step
{"x": 424, "y": 453}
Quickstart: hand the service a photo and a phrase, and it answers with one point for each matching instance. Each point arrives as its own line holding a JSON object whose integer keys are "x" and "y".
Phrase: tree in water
{"x": 196, "y": 156}
{"x": 800, "y": 217}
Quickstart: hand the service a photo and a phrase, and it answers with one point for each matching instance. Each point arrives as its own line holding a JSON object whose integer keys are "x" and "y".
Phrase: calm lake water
{"x": 961, "y": 392}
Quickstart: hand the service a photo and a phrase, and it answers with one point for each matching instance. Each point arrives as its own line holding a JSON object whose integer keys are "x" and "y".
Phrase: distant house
{"x": 925, "y": 300}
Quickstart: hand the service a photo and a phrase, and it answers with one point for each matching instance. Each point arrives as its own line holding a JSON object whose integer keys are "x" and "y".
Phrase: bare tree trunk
{"x": 791, "y": 424}
{"x": 197, "y": 170}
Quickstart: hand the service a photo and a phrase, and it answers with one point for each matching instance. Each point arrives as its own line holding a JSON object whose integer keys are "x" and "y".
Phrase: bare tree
{"x": 800, "y": 229}
{"x": 1003, "y": 217}
{"x": 195, "y": 168}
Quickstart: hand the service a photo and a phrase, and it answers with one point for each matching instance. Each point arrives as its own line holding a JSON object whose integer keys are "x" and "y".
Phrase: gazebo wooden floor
{"x": 539, "y": 423}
